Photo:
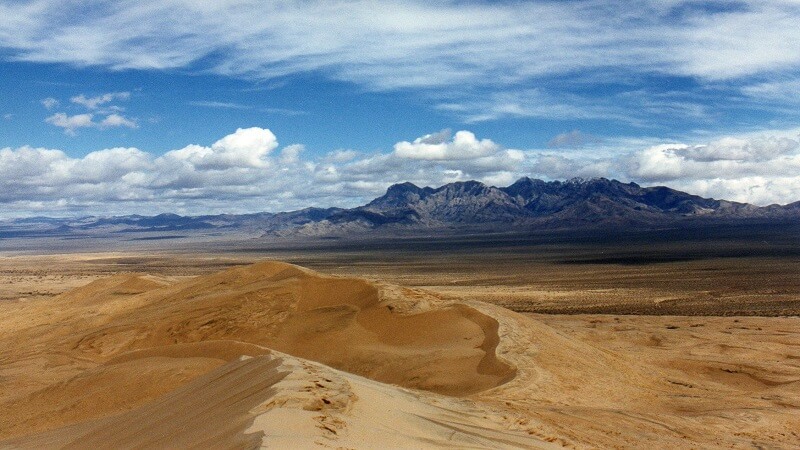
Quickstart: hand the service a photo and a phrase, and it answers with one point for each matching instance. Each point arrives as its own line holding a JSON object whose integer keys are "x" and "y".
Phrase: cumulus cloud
{"x": 96, "y": 102}
{"x": 660, "y": 162}
{"x": 107, "y": 165}
{"x": 341, "y": 156}
{"x": 71, "y": 123}
{"x": 246, "y": 147}
{"x": 757, "y": 189}
{"x": 738, "y": 149}
{"x": 116, "y": 120}
{"x": 248, "y": 170}
{"x": 291, "y": 154}
{"x": 755, "y": 169}
{"x": 97, "y": 105}
{"x": 726, "y": 158}
{"x": 236, "y": 166}
{"x": 23, "y": 165}
{"x": 438, "y": 147}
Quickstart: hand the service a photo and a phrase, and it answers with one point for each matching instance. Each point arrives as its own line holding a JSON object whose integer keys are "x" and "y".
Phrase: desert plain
{"x": 687, "y": 340}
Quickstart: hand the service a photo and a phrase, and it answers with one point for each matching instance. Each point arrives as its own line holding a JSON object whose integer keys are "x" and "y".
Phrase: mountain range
{"x": 470, "y": 205}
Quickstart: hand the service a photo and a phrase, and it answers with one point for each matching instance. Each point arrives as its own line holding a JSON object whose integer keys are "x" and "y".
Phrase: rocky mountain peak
{"x": 402, "y": 188}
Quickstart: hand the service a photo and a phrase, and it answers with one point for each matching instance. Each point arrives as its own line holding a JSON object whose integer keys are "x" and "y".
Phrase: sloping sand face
{"x": 121, "y": 343}
{"x": 336, "y": 321}
{"x": 279, "y": 401}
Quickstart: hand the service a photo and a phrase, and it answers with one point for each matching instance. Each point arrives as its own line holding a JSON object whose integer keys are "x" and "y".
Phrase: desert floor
{"x": 417, "y": 347}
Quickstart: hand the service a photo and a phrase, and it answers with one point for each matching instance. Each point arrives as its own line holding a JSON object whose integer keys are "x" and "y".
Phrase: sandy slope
{"x": 284, "y": 402}
{"x": 124, "y": 353}
{"x": 273, "y": 354}
{"x": 341, "y": 322}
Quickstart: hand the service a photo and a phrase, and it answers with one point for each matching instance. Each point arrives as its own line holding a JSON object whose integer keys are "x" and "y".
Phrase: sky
{"x": 195, "y": 107}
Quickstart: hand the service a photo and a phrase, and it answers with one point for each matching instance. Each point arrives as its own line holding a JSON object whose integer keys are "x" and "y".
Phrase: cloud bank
{"x": 248, "y": 171}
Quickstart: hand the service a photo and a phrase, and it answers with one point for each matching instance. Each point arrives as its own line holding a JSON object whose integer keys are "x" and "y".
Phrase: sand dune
{"x": 340, "y": 322}
{"x": 276, "y": 355}
{"x": 128, "y": 340}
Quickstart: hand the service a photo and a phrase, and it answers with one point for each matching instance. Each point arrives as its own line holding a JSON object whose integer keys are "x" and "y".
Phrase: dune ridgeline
{"x": 244, "y": 357}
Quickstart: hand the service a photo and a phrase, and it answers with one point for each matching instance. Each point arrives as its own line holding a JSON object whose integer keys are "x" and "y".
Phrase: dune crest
{"x": 157, "y": 339}
{"x": 276, "y": 400}
{"x": 337, "y": 321}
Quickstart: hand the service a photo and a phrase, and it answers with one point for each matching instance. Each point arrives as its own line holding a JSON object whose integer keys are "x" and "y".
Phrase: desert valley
{"x": 684, "y": 337}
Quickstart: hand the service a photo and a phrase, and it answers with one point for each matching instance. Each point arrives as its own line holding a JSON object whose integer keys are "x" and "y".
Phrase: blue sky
{"x": 233, "y": 106}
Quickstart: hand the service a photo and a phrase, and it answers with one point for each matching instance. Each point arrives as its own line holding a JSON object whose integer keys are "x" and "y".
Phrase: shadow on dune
{"x": 339, "y": 322}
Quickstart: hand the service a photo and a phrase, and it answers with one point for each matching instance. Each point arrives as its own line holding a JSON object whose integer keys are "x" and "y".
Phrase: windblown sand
{"x": 276, "y": 355}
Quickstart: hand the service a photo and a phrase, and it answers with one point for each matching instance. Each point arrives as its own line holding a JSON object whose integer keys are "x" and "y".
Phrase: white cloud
{"x": 291, "y": 154}
{"x": 389, "y": 47}
{"x": 98, "y": 105}
{"x": 661, "y": 162}
{"x": 760, "y": 190}
{"x": 96, "y": 102}
{"x": 247, "y": 146}
{"x": 243, "y": 171}
{"x": 26, "y": 165}
{"x": 477, "y": 60}
{"x": 437, "y": 147}
{"x": 746, "y": 41}
{"x": 236, "y": 159}
{"x": 116, "y": 120}
{"x": 782, "y": 90}
{"x": 248, "y": 171}
{"x": 71, "y": 123}
{"x": 727, "y": 158}
{"x": 739, "y": 149}
{"x": 108, "y": 165}
{"x": 756, "y": 169}
{"x": 500, "y": 178}
{"x": 341, "y": 156}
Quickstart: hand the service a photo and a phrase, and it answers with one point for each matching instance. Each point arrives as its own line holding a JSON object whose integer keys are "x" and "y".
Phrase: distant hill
{"x": 469, "y": 205}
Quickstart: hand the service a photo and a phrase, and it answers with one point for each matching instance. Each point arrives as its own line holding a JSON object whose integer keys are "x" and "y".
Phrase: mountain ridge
{"x": 465, "y": 205}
